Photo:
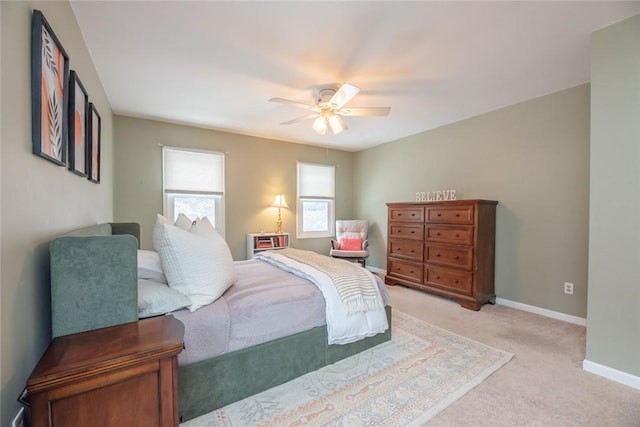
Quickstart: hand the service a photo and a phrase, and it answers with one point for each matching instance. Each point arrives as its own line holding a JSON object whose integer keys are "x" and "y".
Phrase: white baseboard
{"x": 520, "y": 306}
{"x": 595, "y": 368}
{"x": 377, "y": 270}
{"x": 611, "y": 374}
{"x": 543, "y": 312}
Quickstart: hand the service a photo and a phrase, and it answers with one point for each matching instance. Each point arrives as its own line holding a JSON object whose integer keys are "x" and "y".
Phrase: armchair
{"x": 351, "y": 240}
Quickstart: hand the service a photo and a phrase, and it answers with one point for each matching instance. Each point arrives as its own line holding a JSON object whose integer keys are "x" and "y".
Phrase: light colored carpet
{"x": 404, "y": 382}
{"x": 544, "y": 384}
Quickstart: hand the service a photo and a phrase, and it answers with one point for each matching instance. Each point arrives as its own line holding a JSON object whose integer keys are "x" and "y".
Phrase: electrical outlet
{"x": 18, "y": 420}
{"x": 568, "y": 288}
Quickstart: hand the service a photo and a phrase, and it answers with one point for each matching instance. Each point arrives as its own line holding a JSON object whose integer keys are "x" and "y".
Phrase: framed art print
{"x": 93, "y": 156}
{"x": 78, "y": 108}
{"x": 49, "y": 92}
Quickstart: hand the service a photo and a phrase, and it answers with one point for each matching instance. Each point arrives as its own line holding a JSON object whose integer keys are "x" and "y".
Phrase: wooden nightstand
{"x": 124, "y": 375}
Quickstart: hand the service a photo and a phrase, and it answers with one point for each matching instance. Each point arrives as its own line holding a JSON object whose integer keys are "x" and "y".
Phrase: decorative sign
{"x": 436, "y": 195}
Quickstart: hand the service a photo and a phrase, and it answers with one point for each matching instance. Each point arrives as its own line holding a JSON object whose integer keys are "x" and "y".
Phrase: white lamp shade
{"x": 279, "y": 202}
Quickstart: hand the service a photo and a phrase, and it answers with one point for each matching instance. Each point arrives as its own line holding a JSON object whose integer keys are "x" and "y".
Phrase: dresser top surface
{"x": 445, "y": 202}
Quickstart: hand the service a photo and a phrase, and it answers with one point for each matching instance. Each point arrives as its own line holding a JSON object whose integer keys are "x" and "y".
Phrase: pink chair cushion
{"x": 350, "y": 244}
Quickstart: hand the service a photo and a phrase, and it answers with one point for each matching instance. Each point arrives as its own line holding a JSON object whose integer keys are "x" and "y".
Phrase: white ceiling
{"x": 216, "y": 64}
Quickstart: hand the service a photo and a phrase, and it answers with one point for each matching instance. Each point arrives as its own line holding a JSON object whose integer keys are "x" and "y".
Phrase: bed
{"x": 94, "y": 284}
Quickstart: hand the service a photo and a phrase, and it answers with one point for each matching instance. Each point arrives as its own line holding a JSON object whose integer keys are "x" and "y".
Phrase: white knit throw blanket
{"x": 356, "y": 288}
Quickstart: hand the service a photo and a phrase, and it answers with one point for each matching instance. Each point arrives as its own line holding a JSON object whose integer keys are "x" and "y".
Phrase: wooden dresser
{"x": 124, "y": 375}
{"x": 444, "y": 247}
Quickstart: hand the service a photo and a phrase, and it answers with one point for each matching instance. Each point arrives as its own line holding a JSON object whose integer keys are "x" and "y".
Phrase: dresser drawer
{"x": 409, "y": 249}
{"x": 454, "y": 280}
{"x": 461, "y": 257}
{"x": 405, "y": 270}
{"x": 407, "y": 214}
{"x": 461, "y": 234}
{"x": 460, "y": 214}
{"x": 406, "y": 231}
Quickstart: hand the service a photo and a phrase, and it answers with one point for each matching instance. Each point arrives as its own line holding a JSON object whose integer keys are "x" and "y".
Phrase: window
{"x": 193, "y": 184}
{"x": 316, "y": 200}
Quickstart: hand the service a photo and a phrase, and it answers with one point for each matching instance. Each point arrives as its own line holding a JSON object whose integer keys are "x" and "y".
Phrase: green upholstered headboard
{"x": 94, "y": 274}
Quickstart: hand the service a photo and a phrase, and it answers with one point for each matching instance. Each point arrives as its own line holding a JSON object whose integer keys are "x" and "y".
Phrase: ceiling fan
{"x": 328, "y": 108}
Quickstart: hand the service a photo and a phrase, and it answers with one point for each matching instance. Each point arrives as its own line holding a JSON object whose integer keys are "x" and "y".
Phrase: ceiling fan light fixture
{"x": 337, "y": 124}
{"x": 328, "y": 108}
{"x": 320, "y": 125}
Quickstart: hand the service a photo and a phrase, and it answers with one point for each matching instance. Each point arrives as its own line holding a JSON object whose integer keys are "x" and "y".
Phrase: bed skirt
{"x": 214, "y": 383}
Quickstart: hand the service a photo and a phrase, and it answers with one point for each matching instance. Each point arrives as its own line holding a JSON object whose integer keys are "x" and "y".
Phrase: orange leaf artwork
{"x": 79, "y": 128}
{"x": 79, "y": 101}
{"x": 49, "y": 88}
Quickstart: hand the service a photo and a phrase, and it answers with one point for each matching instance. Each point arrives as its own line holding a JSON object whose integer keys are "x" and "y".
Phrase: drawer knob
{"x": 457, "y": 235}
{"x": 413, "y": 232}
{"x": 456, "y": 257}
{"x": 438, "y": 254}
{"x": 437, "y": 234}
{"x": 437, "y": 277}
{"x": 457, "y": 215}
{"x": 412, "y": 250}
{"x": 397, "y": 268}
{"x": 455, "y": 280}
{"x": 413, "y": 214}
{"x": 411, "y": 272}
{"x": 439, "y": 214}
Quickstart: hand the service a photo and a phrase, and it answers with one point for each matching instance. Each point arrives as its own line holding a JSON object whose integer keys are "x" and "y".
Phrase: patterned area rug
{"x": 404, "y": 382}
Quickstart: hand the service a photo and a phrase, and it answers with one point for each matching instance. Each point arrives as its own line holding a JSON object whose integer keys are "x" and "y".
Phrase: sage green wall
{"x": 613, "y": 326}
{"x": 40, "y": 200}
{"x": 533, "y": 158}
{"x": 256, "y": 169}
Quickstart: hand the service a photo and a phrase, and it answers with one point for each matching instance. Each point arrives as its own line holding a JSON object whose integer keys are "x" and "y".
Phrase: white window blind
{"x": 316, "y": 180}
{"x": 193, "y": 171}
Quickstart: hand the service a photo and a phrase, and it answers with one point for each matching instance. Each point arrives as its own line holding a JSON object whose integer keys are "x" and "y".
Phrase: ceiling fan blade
{"x": 295, "y": 104}
{"x": 343, "y": 95}
{"x": 299, "y": 119}
{"x": 365, "y": 111}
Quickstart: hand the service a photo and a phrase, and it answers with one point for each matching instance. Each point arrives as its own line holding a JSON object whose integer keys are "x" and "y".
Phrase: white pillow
{"x": 203, "y": 227}
{"x": 149, "y": 266}
{"x": 183, "y": 222}
{"x": 157, "y": 228}
{"x": 156, "y": 298}
{"x": 199, "y": 267}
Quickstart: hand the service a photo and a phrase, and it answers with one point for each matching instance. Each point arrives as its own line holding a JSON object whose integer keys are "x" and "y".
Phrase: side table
{"x": 124, "y": 375}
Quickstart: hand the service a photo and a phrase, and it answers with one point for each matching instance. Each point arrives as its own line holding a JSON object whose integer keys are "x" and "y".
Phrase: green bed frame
{"x": 94, "y": 285}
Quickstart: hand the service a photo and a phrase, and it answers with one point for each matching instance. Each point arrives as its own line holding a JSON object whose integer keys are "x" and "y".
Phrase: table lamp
{"x": 279, "y": 202}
